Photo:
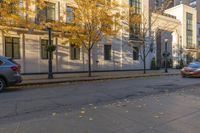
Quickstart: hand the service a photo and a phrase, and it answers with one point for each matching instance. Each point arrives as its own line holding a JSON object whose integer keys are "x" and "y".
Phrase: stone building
{"x": 122, "y": 53}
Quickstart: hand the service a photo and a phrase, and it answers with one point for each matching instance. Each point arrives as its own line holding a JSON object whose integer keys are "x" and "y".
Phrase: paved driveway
{"x": 146, "y": 105}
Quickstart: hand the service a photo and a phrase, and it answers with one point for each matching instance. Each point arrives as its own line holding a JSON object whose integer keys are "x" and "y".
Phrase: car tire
{"x": 2, "y": 84}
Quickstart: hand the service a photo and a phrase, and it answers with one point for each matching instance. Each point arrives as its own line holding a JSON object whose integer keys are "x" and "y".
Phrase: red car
{"x": 192, "y": 70}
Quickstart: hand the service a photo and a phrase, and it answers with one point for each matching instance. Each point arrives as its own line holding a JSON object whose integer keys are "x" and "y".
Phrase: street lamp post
{"x": 166, "y": 55}
{"x": 50, "y": 73}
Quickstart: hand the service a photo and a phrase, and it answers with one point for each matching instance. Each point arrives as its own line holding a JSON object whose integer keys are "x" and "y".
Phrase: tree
{"x": 93, "y": 20}
{"x": 15, "y": 13}
{"x": 21, "y": 14}
{"x": 46, "y": 21}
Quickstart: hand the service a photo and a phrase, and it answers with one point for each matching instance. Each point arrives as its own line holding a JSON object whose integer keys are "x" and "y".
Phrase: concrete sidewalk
{"x": 80, "y": 77}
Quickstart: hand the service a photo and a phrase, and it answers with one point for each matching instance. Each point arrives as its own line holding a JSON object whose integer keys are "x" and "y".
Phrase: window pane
{"x": 78, "y": 53}
{"x": 70, "y": 15}
{"x": 44, "y": 53}
{"x": 41, "y": 15}
{"x": 47, "y": 13}
{"x": 12, "y": 47}
{"x": 8, "y": 48}
{"x": 8, "y": 39}
{"x": 50, "y": 12}
{"x": 16, "y": 40}
{"x": 16, "y": 48}
{"x": 1, "y": 62}
{"x": 189, "y": 31}
{"x": 74, "y": 52}
{"x": 107, "y": 52}
{"x": 135, "y": 53}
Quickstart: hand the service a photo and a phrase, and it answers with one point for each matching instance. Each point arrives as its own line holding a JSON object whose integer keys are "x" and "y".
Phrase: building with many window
{"x": 188, "y": 38}
{"x": 121, "y": 53}
{"x": 195, "y": 4}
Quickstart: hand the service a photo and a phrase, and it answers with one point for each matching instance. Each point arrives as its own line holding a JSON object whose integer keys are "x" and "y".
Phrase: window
{"x": 135, "y": 53}
{"x": 134, "y": 31}
{"x": 189, "y": 58}
{"x": 13, "y": 7}
{"x": 135, "y": 13}
{"x": 70, "y": 15}
{"x": 136, "y": 4}
{"x": 189, "y": 31}
{"x": 48, "y": 13}
{"x": 44, "y": 52}
{"x": 12, "y": 47}
{"x": 107, "y": 52}
{"x": 74, "y": 52}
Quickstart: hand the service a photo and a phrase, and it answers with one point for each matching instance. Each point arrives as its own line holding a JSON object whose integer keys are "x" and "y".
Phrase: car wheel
{"x": 2, "y": 84}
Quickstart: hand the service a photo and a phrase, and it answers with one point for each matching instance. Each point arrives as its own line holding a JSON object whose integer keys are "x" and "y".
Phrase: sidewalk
{"x": 80, "y": 77}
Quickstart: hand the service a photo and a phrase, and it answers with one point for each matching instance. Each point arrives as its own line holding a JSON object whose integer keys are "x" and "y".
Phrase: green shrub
{"x": 170, "y": 63}
{"x": 51, "y": 48}
{"x": 180, "y": 65}
{"x": 153, "y": 64}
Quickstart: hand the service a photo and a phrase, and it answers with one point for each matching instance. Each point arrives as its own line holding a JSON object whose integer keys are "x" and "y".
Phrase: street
{"x": 166, "y": 104}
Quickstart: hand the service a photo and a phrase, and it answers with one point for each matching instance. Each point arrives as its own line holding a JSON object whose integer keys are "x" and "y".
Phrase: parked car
{"x": 192, "y": 70}
{"x": 9, "y": 72}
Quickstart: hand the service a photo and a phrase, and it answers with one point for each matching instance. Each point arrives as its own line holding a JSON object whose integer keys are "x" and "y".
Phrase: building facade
{"x": 195, "y": 4}
{"x": 28, "y": 48}
{"x": 188, "y": 19}
{"x": 121, "y": 53}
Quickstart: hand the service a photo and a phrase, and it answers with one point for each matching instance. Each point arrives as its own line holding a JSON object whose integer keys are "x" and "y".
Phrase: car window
{"x": 194, "y": 65}
{"x": 1, "y": 62}
{"x": 13, "y": 61}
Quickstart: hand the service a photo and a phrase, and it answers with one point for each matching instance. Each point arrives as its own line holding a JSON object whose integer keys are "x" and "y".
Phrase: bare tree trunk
{"x": 89, "y": 63}
{"x": 144, "y": 56}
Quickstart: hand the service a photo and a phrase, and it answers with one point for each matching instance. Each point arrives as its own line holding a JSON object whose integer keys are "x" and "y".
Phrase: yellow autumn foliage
{"x": 93, "y": 20}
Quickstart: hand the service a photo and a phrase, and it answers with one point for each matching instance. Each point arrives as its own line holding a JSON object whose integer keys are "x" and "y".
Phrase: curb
{"x": 53, "y": 81}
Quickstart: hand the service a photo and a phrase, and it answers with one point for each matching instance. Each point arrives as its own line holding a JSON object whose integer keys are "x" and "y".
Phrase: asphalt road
{"x": 144, "y": 105}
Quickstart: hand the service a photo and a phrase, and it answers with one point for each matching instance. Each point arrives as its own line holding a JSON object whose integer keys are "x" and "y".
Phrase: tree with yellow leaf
{"x": 20, "y": 15}
{"x": 15, "y": 13}
{"x": 46, "y": 21}
{"x": 92, "y": 21}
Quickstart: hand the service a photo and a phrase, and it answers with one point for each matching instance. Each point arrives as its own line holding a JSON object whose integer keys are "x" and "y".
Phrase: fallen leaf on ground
{"x": 161, "y": 113}
{"x": 53, "y": 114}
{"x": 156, "y": 116}
{"x": 82, "y": 112}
